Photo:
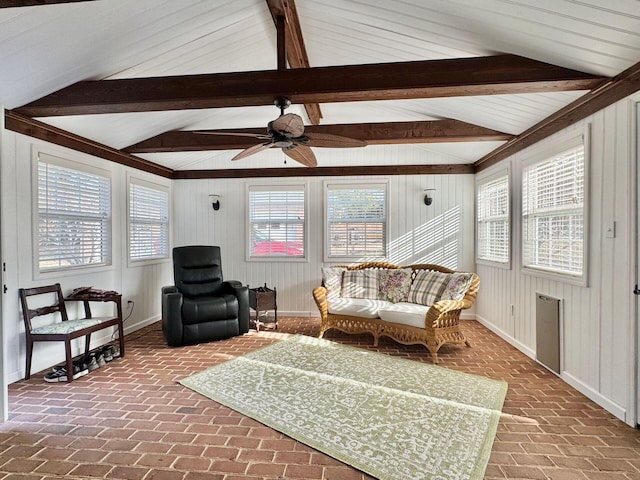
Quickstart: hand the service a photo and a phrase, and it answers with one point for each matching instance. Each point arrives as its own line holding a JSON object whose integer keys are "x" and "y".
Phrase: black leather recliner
{"x": 201, "y": 307}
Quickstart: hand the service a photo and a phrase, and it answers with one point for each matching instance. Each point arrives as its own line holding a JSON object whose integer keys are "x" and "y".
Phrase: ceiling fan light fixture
{"x": 282, "y": 103}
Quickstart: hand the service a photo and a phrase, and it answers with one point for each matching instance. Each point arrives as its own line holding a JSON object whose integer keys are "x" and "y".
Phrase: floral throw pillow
{"x": 394, "y": 285}
{"x": 332, "y": 280}
{"x": 360, "y": 284}
{"x": 457, "y": 286}
{"x": 427, "y": 287}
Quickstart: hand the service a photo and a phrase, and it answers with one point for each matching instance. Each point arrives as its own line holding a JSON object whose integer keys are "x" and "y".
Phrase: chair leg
{"x": 28, "y": 355}
{"x": 121, "y": 339}
{"x": 87, "y": 343}
{"x": 67, "y": 347}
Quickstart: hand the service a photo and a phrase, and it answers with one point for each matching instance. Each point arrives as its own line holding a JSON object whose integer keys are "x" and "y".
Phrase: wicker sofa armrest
{"x": 320, "y": 297}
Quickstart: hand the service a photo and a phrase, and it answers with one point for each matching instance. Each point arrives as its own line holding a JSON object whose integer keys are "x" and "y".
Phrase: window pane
{"x": 276, "y": 218}
{"x": 553, "y": 213}
{"x": 493, "y": 220}
{"x": 74, "y": 217}
{"x": 356, "y": 220}
{"x": 148, "y": 222}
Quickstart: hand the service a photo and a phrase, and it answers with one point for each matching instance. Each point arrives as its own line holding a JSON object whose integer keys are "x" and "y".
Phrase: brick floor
{"x": 131, "y": 420}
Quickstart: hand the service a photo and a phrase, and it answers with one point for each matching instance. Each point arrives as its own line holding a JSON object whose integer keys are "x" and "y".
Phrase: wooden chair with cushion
{"x": 59, "y": 328}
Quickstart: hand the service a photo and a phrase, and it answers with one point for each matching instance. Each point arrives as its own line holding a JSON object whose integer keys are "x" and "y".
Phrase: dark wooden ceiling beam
{"x": 439, "y": 131}
{"x": 33, "y": 128}
{"x": 619, "y": 87}
{"x": 34, "y": 3}
{"x": 501, "y": 74}
{"x": 296, "y": 52}
{"x": 325, "y": 171}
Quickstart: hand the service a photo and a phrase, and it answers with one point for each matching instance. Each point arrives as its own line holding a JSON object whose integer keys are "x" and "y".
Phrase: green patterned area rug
{"x": 389, "y": 417}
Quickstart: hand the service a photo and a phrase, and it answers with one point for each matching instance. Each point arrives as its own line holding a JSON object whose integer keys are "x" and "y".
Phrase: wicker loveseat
{"x": 433, "y": 320}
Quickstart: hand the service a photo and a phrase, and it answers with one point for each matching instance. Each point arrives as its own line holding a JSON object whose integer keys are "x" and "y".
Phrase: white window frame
{"x": 554, "y": 149}
{"x": 485, "y": 180}
{"x": 276, "y": 187}
{"x": 164, "y": 222}
{"x": 42, "y": 157}
{"x": 338, "y": 185}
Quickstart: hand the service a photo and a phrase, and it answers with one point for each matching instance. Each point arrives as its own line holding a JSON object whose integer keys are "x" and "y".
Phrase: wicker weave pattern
{"x": 442, "y": 320}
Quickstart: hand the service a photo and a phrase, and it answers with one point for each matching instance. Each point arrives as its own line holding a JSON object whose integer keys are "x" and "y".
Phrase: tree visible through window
{"x": 74, "y": 215}
{"x": 277, "y": 221}
{"x": 356, "y": 220}
{"x": 553, "y": 217}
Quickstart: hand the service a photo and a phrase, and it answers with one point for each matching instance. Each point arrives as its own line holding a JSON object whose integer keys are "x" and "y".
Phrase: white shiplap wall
{"x": 599, "y": 320}
{"x": 140, "y": 284}
{"x": 440, "y": 233}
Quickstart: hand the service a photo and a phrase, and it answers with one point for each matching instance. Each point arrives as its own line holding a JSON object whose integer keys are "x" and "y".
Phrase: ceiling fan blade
{"x": 251, "y": 150}
{"x": 288, "y": 124}
{"x": 333, "y": 141}
{"x": 302, "y": 154}
{"x": 234, "y": 134}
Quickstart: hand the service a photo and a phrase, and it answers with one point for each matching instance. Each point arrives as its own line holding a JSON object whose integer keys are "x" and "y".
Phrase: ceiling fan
{"x": 287, "y": 132}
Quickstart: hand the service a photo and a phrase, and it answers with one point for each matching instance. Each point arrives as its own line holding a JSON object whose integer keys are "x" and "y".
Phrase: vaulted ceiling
{"x": 432, "y": 86}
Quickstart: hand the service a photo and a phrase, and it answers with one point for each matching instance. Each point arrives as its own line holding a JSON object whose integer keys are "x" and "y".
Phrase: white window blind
{"x": 148, "y": 221}
{"x": 553, "y": 214}
{"x": 74, "y": 216}
{"x": 277, "y": 221}
{"x": 356, "y": 220}
{"x": 493, "y": 219}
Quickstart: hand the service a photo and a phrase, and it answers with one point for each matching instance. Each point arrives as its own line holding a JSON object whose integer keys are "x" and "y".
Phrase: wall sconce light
{"x": 428, "y": 199}
{"x": 214, "y": 200}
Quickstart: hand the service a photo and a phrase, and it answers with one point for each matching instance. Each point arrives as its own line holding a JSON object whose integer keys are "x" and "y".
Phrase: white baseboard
{"x": 612, "y": 407}
{"x": 529, "y": 352}
{"x": 132, "y": 327}
{"x": 296, "y": 314}
{"x": 586, "y": 390}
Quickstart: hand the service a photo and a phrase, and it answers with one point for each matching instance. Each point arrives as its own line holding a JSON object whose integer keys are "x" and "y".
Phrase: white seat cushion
{"x": 410, "y": 314}
{"x": 358, "y": 307}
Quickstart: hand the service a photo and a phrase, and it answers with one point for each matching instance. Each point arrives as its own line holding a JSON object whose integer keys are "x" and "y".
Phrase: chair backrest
{"x": 197, "y": 270}
{"x": 29, "y": 313}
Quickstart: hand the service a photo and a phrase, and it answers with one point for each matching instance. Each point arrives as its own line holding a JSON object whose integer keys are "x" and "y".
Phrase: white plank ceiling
{"x": 46, "y": 48}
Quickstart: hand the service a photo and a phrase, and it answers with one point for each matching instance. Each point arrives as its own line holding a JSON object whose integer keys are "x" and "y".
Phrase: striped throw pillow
{"x": 427, "y": 287}
{"x": 360, "y": 284}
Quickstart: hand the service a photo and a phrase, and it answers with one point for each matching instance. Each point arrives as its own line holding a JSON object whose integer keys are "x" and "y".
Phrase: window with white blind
{"x": 554, "y": 211}
{"x": 277, "y": 222}
{"x": 148, "y": 220}
{"x": 493, "y": 218}
{"x": 73, "y": 215}
{"x": 356, "y": 220}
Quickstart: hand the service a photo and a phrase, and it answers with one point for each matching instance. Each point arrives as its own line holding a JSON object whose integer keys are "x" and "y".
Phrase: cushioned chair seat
{"x": 361, "y": 307}
{"x": 67, "y": 327}
{"x": 405, "y": 313}
{"x": 205, "y": 309}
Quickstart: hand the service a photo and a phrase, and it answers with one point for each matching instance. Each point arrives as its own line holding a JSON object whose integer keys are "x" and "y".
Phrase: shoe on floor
{"x": 92, "y": 363}
{"x": 100, "y": 359}
{"x": 56, "y": 375}
{"x": 107, "y": 352}
{"x": 80, "y": 369}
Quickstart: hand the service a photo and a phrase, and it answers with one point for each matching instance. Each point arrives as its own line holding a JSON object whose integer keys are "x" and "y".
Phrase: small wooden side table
{"x": 262, "y": 299}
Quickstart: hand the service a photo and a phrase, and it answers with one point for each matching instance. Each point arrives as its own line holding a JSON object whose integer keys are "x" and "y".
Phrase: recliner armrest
{"x": 172, "y": 315}
{"x": 241, "y": 292}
